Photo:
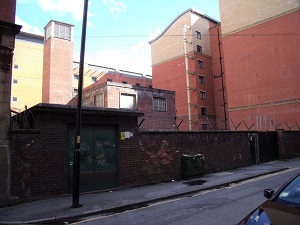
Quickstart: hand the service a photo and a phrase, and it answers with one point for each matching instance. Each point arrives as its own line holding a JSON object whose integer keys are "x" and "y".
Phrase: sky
{"x": 118, "y": 31}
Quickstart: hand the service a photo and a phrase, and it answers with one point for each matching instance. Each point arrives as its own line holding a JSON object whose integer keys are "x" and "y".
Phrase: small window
{"x": 76, "y": 76}
{"x": 137, "y": 84}
{"x": 159, "y": 104}
{"x": 75, "y": 92}
{"x": 94, "y": 79}
{"x": 15, "y": 81}
{"x": 99, "y": 100}
{"x": 203, "y": 111}
{"x": 127, "y": 101}
{"x": 150, "y": 86}
{"x": 110, "y": 80}
{"x": 204, "y": 126}
{"x": 198, "y": 35}
{"x": 14, "y": 99}
{"x": 124, "y": 82}
{"x": 200, "y": 63}
{"x": 199, "y": 49}
{"x": 201, "y": 79}
{"x": 16, "y": 66}
{"x": 202, "y": 94}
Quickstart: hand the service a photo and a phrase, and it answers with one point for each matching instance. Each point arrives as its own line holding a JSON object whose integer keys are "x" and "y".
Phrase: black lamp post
{"x": 76, "y": 165}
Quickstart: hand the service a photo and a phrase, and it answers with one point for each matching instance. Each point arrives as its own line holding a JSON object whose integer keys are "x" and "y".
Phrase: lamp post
{"x": 76, "y": 165}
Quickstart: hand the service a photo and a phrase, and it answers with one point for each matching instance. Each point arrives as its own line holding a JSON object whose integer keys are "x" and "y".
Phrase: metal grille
{"x": 159, "y": 104}
{"x": 62, "y": 31}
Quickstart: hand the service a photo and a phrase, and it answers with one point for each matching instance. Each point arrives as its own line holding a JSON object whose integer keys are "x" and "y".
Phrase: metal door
{"x": 268, "y": 149}
{"x": 98, "y": 157}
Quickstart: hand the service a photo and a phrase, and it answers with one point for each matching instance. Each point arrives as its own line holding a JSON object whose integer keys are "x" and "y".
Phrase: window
{"x": 75, "y": 92}
{"x": 204, "y": 126}
{"x": 15, "y": 81}
{"x": 201, "y": 79}
{"x": 99, "y": 100}
{"x": 150, "y": 86}
{"x": 124, "y": 82}
{"x": 16, "y": 66}
{"x": 200, "y": 63}
{"x": 110, "y": 80}
{"x": 199, "y": 49}
{"x": 76, "y": 76}
{"x": 202, "y": 95}
{"x": 14, "y": 99}
{"x": 94, "y": 79}
{"x": 127, "y": 101}
{"x": 137, "y": 84}
{"x": 86, "y": 102}
{"x": 198, "y": 35}
{"x": 159, "y": 104}
{"x": 203, "y": 111}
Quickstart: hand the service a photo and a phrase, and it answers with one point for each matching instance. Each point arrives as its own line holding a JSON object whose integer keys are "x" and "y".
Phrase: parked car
{"x": 282, "y": 207}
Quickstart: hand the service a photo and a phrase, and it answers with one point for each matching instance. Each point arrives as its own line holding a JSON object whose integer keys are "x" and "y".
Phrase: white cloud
{"x": 144, "y": 44}
{"x": 115, "y": 7}
{"x": 28, "y": 28}
{"x": 62, "y": 7}
{"x": 139, "y": 63}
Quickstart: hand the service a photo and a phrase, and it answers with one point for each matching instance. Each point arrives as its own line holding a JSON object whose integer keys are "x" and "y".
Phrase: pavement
{"x": 59, "y": 210}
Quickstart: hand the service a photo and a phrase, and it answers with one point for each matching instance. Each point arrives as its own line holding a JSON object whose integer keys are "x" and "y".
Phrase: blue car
{"x": 282, "y": 207}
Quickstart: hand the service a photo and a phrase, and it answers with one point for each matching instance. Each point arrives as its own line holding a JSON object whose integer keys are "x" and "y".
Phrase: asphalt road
{"x": 220, "y": 206}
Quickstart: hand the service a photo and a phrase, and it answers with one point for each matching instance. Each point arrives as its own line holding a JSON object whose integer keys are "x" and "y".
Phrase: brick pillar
{"x": 58, "y": 63}
{"x": 280, "y": 144}
{"x": 7, "y": 39}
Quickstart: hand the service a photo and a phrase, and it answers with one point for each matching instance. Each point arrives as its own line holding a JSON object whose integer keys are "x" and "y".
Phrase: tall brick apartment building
{"x": 261, "y": 44}
{"x": 182, "y": 61}
{"x": 8, "y": 30}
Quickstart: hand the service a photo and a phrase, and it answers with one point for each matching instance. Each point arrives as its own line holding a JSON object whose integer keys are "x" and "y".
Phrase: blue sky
{"x": 118, "y": 31}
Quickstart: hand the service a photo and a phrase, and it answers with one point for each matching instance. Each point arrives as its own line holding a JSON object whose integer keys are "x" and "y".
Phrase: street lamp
{"x": 76, "y": 165}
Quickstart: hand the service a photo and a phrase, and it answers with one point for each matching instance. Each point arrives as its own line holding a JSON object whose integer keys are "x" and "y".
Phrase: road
{"x": 214, "y": 207}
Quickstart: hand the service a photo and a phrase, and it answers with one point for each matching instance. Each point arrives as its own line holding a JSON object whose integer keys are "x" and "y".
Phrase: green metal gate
{"x": 98, "y": 157}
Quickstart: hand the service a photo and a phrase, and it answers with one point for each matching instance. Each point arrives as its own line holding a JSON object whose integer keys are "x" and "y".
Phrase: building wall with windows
{"x": 27, "y": 71}
{"x": 261, "y": 46}
{"x": 36, "y": 60}
{"x": 185, "y": 45}
{"x": 157, "y": 105}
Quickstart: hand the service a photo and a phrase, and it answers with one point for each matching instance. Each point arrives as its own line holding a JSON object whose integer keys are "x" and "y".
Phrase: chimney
{"x": 57, "y": 63}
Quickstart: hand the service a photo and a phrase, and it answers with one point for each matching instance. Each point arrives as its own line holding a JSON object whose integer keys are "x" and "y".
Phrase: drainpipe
{"x": 185, "y": 27}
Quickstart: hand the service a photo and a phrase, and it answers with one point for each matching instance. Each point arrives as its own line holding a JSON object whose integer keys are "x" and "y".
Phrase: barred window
{"x": 159, "y": 104}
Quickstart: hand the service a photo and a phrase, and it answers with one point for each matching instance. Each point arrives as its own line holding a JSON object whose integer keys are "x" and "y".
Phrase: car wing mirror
{"x": 268, "y": 193}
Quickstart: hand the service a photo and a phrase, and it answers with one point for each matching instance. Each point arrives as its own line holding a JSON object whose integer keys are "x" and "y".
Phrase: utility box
{"x": 192, "y": 165}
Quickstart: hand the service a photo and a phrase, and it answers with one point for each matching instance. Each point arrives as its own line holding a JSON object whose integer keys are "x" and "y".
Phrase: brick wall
{"x": 157, "y": 155}
{"x": 40, "y": 158}
{"x": 240, "y": 14}
{"x": 260, "y": 64}
{"x": 8, "y": 11}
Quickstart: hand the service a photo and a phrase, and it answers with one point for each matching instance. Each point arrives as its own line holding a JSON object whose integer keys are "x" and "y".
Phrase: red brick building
{"x": 182, "y": 62}
{"x": 261, "y": 44}
{"x": 158, "y": 106}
